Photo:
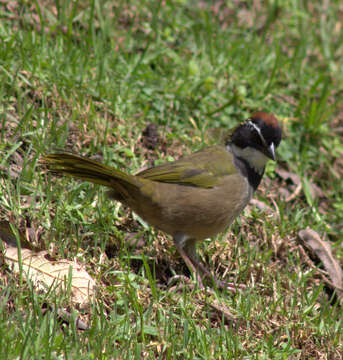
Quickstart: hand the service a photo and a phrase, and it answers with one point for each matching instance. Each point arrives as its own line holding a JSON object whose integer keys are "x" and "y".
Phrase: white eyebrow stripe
{"x": 258, "y": 131}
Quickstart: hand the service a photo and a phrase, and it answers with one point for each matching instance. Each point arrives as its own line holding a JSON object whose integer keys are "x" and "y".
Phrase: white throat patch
{"x": 255, "y": 158}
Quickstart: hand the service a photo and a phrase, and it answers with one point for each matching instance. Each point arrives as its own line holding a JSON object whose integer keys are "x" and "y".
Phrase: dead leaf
{"x": 42, "y": 271}
{"x": 322, "y": 250}
{"x": 45, "y": 273}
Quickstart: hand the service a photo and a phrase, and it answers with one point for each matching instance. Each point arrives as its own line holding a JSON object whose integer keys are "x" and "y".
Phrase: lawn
{"x": 137, "y": 83}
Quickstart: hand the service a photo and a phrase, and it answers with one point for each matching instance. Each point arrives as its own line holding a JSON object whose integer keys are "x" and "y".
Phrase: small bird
{"x": 195, "y": 197}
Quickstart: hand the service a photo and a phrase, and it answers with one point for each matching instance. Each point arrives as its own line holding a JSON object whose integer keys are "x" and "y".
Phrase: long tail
{"x": 86, "y": 169}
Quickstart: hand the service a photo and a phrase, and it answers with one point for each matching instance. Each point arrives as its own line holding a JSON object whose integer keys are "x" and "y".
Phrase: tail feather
{"x": 86, "y": 169}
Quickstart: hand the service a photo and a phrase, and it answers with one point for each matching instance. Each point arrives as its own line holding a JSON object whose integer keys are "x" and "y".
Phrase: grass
{"x": 89, "y": 76}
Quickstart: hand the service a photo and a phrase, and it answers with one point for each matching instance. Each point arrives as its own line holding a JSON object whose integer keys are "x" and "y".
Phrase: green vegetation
{"x": 89, "y": 76}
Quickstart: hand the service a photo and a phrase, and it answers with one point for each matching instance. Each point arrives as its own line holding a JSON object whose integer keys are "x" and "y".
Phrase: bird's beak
{"x": 270, "y": 152}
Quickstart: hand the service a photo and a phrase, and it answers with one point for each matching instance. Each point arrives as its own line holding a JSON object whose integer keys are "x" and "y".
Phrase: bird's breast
{"x": 197, "y": 212}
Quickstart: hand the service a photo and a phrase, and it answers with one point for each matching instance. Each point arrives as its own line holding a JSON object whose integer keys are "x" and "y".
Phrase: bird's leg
{"x": 187, "y": 249}
{"x": 201, "y": 267}
{"x": 219, "y": 283}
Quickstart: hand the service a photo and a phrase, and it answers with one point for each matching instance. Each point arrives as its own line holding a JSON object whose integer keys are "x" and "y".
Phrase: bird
{"x": 195, "y": 197}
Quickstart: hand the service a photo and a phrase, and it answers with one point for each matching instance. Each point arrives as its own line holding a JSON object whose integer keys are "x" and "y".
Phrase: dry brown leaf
{"x": 45, "y": 273}
{"x": 42, "y": 271}
{"x": 322, "y": 249}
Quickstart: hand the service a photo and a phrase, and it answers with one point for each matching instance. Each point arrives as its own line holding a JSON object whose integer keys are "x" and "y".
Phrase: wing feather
{"x": 201, "y": 169}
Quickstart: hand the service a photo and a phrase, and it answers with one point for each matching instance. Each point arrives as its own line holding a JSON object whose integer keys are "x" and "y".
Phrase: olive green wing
{"x": 203, "y": 168}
